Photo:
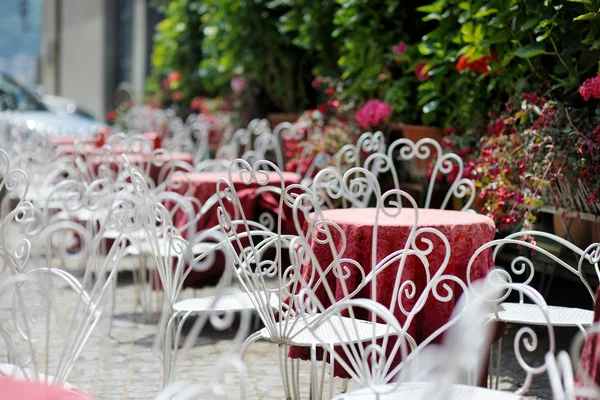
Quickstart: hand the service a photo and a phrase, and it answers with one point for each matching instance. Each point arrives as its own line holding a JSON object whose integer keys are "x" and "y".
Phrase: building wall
{"x": 82, "y": 54}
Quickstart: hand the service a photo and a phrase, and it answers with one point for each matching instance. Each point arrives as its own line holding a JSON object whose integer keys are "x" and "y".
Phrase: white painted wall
{"x": 83, "y": 54}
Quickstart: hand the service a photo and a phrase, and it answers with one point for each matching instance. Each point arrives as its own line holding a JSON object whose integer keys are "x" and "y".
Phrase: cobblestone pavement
{"x": 119, "y": 362}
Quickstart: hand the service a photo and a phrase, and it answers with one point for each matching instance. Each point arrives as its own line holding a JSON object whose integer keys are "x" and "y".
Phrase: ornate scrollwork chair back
{"x": 261, "y": 274}
{"x": 523, "y": 267}
{"x": 46, "y": 333}
{"x": 448, "y": 165}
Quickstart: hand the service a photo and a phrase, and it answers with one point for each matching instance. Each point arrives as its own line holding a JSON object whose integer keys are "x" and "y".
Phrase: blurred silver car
{"x": 23, "y": 111}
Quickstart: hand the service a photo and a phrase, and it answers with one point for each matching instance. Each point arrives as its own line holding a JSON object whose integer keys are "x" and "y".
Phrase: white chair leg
{"x": 498, "y": 363}
{"x": 344, "y": 385}
{"x": 314, "y": 369}
{"x": 251, "y": 339}
{"x": 168, "y": 352}
{"x": 283, "y": 368}
{"x": 331, "y": 374}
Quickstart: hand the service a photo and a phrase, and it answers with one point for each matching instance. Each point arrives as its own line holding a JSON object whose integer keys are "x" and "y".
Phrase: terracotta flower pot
{"x": 415, "y": 132}
{"x": 581, "y": 230}
{"x": 277, "y": 118}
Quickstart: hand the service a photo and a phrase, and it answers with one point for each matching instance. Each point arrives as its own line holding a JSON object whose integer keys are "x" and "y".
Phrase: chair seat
{"x": 333, "y": 330}
{"x": 531, "y": 314}
{"x": 231, "y": 302}
{"x": 419, "y": 390}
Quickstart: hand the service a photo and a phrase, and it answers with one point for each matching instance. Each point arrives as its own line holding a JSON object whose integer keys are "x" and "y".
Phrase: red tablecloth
{"x": 589, "y": 362}
{"x": 203, "y": 186}
{"x": 13, "y": 389}
{"x": 61, "y": 140}
{"x": 466, "y": 232}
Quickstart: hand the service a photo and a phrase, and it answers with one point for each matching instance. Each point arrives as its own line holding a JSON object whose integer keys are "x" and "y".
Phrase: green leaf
{"x": 580, "y": 1}
{"x": 432, "y": 17}
{"x": 485, "y": 13}
{"x": 530, "y": 23}
{"x": 431, "y": 106}
{"x": 464, "y": 5}
{"x": 432, "y": 8}
{"x": 500, "y": 37}
{"x": 531, "y": 50}
{"x": 427, "y": 48}
{"x": 543, "y": 36}
{"x": 586, "y": 17}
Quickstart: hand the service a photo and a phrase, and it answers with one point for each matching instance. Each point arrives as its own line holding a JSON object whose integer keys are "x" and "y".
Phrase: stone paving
{"x": 119, "y": 362}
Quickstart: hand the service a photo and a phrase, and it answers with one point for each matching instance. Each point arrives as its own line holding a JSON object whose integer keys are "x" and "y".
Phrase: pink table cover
{"x": 13, "y": 389}
{"x": 204, "y": 185}
{"x": 61, "y": 140}
{"x": 466, "y": 232}
{"x": 589, "y": 363}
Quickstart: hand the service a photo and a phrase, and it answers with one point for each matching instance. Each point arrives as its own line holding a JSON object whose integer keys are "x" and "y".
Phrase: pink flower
{"x": 590, "y": 88}
{"x": 238, "y": 84}
{"x": 422, "y": 71}
{"x": 197, "y": 103}
{"x": 400, "y": 48}
{"x": 174, "y": 76}
{"x": 372, "y": 113}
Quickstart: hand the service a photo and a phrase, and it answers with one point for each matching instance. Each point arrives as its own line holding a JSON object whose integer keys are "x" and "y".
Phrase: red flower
{"x": 111, "y": 116}
{"x": 462, "y": 63}
{"x": 330, "y": 92}
{"x": 174, "y": 76}
{"x": 590, "y": 88}
{"x": 422, "y": 71}
{"x": 322, "y": 108}
{"x": 400, "y": 48}
{"x": 316, "y": 83}
{"x": 176, "y": 96}
{"x": 197, "y": 103}
{"x": 372, "y": 113}
{"x": 479, "y": 65}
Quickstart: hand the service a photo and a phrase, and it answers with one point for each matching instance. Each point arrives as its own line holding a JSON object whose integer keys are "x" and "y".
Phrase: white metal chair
{"x": 562, "y": 373}
{"x": 448, "y": 371}
{"x": 284, "y": 325}
{"x": 44, "y": 338}
{"x": 404, "y": 150}
{"x": 524, "y": 313}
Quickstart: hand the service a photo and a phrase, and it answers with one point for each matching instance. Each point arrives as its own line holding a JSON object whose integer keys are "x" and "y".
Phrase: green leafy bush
{"x": 483, "y": 52}
{"x": 243, "y": 37}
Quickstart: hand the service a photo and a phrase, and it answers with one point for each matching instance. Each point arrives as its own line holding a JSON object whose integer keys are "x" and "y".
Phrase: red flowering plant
{"x": 537, "y": 152}
{"x": 325, "y": 130}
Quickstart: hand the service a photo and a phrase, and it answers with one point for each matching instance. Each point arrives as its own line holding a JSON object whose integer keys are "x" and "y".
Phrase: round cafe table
{"x": 11, "y": 388}
{"x": 203, "y": 185}
{"x": 466, "y": 232}
{"x": 589, "y": 363}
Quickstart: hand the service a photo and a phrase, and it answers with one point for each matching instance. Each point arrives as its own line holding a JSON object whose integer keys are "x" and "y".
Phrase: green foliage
{"x": 528, "y": 45}
{"x": 310, "y": 24}
{"x": 369, "y": 31}
{"x": 178, "y": 47}
{"x": 244, "y": 37}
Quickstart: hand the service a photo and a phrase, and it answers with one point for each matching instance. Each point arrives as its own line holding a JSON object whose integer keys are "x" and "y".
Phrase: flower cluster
{"x": 324, "y": 132}
{"x": 590, "y": 88}
{"x": 536, "y": 152}
{"x": 373, "y": 113}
